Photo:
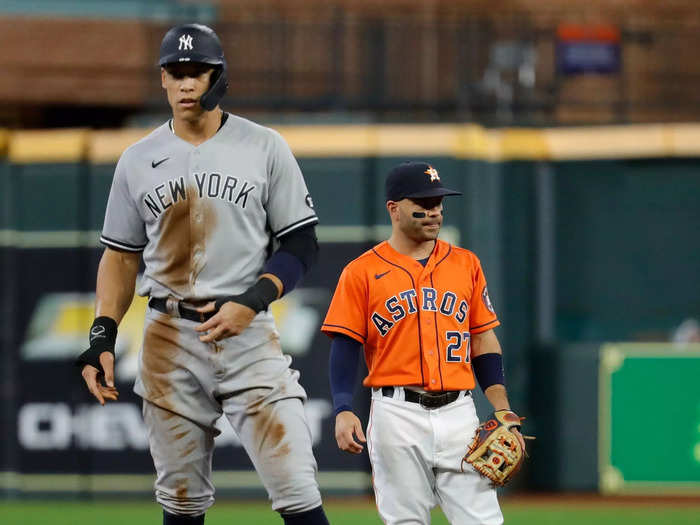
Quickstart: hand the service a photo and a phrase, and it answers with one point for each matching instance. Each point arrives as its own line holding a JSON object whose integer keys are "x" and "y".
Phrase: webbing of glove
{"x": 495, "y": 451}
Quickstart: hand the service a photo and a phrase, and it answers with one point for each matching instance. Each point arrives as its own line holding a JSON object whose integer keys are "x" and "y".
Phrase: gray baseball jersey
{"x": 204, "y": 215}
{"x": 205, "y": 218}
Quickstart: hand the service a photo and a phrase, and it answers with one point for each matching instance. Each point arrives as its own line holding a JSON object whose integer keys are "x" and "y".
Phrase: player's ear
{"x": 162, "y": 77}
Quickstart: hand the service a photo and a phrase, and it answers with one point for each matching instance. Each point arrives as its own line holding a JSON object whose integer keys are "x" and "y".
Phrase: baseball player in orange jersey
{"x": 421, "y": 309}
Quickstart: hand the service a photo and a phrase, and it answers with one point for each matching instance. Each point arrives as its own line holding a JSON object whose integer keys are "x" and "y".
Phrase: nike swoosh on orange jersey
{"x": 380, "y": 275}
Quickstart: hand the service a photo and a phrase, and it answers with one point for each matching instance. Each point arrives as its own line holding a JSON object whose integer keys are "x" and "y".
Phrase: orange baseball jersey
{"x": 415, "y": 322}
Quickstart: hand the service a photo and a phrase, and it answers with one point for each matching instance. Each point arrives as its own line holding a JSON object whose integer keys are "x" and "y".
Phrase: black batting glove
{"x": 103, "y": 336}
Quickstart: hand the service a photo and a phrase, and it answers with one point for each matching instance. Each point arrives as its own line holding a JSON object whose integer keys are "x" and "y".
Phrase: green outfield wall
{"x": 586, "y": 235}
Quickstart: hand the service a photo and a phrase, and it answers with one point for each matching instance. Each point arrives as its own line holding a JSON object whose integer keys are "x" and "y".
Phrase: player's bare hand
{"x": 347, "y": 429}
{"x": 520, "y": 438}
{"x": 91, "y": 375}
{"x": 231, "y": 319}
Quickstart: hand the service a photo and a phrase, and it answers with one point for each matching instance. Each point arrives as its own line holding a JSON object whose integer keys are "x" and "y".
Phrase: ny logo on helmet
{"x": 185, "y": 43}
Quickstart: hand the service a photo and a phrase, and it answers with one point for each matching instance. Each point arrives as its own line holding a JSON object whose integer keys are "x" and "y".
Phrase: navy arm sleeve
{"x": 342, "y": 370}
{"x": 298, "y": 251}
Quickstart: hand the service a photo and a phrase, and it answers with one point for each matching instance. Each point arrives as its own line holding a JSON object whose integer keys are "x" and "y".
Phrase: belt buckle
{"x": 433, "y": 401}
{"x": 172, "y": 305}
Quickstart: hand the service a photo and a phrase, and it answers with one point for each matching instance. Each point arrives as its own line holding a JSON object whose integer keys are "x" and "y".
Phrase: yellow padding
{"x": 523, "y": 144}
{"x": 475, "y": 142}
{"x": 444, "y": 140}
{"x": 440, "y": 140}
{"x": 65, "y": 145}
{"x": 612, "y": 142}
{"x": 329, "y": 141}
{"x": 683, "y": 139}
{"x": 462, "y": 141}
{"x": 4, "y": 138}
{"x": 105, "y": 147}
{"x": 471, "y": 141}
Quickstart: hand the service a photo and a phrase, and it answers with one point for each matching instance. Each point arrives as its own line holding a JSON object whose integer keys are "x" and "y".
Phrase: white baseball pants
{"x": 416, "y": 456}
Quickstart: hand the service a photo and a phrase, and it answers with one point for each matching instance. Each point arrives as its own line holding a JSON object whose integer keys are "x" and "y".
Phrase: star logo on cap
{"x": 433, "y": 174}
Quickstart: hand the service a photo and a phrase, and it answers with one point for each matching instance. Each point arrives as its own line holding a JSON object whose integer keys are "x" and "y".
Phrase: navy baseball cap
{"x": 415, "y": 180}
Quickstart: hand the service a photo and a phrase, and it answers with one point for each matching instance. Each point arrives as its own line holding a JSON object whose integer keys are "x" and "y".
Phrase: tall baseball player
{"x": 421, "y": 309}
{"x": 202, "y": 199}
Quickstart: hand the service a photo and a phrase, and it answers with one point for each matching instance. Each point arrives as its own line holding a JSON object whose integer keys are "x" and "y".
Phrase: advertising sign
{"x": 588, "y": 49}
{"x": 60, "y": 429}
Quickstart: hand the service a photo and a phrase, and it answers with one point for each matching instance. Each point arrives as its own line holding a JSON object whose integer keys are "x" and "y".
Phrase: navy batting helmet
{"x": 197, "y": 43}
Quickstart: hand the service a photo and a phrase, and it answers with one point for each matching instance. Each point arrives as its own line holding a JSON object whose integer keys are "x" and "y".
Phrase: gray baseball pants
{"x": 187, "y": 385}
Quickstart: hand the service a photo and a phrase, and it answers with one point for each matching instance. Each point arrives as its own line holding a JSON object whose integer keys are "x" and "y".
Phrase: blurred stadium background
{"x": 573, "y": 129}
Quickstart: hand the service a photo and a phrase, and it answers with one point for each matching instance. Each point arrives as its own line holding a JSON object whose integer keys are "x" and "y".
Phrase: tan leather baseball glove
{"x": 495, "y": 451}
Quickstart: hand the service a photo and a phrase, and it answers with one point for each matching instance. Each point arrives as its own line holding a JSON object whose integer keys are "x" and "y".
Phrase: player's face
{"x": 416, "y": 228}
{"x": 185, "y": 83}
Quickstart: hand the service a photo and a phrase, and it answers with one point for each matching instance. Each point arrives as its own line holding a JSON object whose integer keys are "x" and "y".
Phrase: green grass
{"x": 339, "y": 513}
{"x": 592, "y": 515}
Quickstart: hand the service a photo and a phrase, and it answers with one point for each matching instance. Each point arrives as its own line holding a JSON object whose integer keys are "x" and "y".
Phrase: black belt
{"x": 160, "y": 304}
{"x": 427, "y": 399}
